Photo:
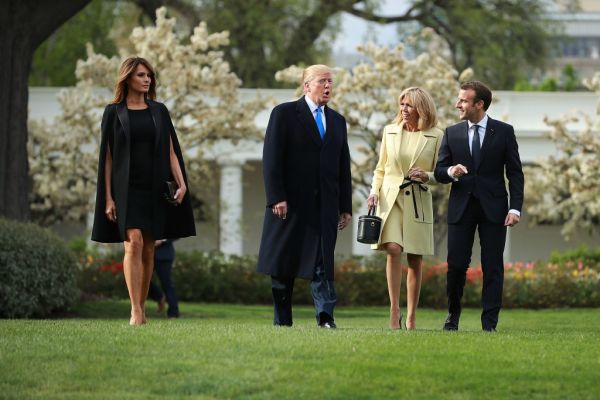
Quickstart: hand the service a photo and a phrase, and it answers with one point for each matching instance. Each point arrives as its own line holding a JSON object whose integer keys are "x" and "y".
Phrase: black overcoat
{"x": 168, "y": 221}
{"x": 313, "y": 176}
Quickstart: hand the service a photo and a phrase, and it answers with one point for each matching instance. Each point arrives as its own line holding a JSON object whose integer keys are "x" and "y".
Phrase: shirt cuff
{"x": 516, "y": 212}
{"x": 450, "y": 175}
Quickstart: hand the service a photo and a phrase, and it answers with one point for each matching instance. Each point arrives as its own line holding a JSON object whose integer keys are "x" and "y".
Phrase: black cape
{"x": 313, "y": 176}
{"x": 169, "y": 221}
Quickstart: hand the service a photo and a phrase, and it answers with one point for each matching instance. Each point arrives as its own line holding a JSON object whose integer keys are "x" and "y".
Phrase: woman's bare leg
{"x": 148, "y": 267}
{"x": 133, "y": 271}
{"x": 413, "y": 288}
{"x": 393, "y": 271}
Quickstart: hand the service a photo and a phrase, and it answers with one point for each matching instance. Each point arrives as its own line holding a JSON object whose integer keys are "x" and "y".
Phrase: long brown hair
{"x": 127, "y": 68}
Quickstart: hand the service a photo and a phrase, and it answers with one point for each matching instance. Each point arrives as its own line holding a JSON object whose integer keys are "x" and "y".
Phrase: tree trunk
{"x": 25, "y": 24}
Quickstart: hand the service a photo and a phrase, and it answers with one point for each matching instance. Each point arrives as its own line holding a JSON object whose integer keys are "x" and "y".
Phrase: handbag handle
{"x": 371, "y": 212}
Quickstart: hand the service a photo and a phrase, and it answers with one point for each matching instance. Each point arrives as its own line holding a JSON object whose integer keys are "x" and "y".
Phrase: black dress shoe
{"x": 491, "y": 330}
{"x": 328, "y": 325}
{"x": 451, "y": 323}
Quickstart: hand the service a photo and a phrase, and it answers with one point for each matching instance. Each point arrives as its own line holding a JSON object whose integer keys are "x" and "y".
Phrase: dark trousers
{"x": 162, "y": 268}
{"x": 322, "y": 290}
{"x": 492, "y": 237}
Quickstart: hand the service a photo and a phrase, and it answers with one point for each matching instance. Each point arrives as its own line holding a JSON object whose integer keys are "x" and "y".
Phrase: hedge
{"x": 37, "y": 271}
{"x": 564, "y": 281}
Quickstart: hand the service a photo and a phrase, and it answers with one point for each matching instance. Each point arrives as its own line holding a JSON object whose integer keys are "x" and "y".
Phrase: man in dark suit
{"x": 306, "y": 170}
{"x": 474, "y": 156}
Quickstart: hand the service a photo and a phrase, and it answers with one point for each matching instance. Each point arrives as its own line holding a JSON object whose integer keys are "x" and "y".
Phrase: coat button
{"x": 407, "y": 193}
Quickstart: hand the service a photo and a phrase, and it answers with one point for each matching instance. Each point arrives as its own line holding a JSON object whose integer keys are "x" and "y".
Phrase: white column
{"x": 231, "y": 207}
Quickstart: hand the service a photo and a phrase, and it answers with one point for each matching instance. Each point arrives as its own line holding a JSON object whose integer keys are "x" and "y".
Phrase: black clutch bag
{"x": 170, "y": 190}
{"x": 369, "y": 227}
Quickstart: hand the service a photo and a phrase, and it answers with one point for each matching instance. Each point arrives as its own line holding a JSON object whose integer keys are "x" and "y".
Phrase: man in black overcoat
{"x": 475, "y": 156}
{"x": 306, "y": 170}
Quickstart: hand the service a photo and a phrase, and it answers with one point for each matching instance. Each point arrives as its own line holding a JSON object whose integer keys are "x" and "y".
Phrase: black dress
{"x": 141, "y": 171}
{"x": 167, "y": 221}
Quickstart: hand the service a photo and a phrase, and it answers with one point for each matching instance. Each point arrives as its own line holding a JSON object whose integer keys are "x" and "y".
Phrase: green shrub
{"x": 570, "y": 279}
{"x": 37, "y": 271}
{"x": 583, "y": 254}
{"x": 214, "y": 277}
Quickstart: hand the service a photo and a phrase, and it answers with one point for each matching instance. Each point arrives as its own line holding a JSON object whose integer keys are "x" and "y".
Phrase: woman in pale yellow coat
{"x": 409, "y": 149}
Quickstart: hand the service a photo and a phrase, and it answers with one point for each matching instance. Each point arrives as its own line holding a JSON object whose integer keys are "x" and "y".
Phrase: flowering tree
{"x": 565, "y": 188}
{"x": 368, "y": 94}
{"x": 195, "y": 82}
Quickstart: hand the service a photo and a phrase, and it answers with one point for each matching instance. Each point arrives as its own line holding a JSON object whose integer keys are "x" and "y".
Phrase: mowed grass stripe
{"x": 232, "y": 351}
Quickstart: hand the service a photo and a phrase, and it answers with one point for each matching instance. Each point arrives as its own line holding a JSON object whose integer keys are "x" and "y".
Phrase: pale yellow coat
{"x": 417, "y": 232}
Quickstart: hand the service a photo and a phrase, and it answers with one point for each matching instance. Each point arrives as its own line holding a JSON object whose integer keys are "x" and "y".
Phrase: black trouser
{"x": 162, "y": 268}
{"x": 322, "y": 290}
{"x": 492, "y": 237}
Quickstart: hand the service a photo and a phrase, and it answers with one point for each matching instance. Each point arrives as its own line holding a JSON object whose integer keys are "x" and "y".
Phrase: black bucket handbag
{"x": 369, "y": 227}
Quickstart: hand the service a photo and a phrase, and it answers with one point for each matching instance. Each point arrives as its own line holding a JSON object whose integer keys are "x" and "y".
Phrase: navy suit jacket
{"x": 499, "y": 157}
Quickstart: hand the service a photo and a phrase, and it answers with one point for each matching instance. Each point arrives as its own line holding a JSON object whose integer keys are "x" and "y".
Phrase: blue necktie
{"x": 476, "y": 147}
{"x": 319, "y": 122}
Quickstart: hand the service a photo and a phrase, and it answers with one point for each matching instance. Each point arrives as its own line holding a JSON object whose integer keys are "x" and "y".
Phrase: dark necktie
{"x": 319, "y": 122}
{"x": 476, "y": 147}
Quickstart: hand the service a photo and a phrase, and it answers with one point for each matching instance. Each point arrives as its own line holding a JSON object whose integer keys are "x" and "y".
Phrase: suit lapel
{"x": 397, "y": 140}
{"x": 329, "y": 129}
{"x": 306, "y": 118}
{"x": 464, "y": 138}
{"x": 487, "y": 139}
{"x": 418, "y": 149}
{"x": 124, "y": 119}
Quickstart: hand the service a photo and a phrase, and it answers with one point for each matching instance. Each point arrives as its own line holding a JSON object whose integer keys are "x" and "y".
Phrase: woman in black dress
{"x": 139, "y": 153}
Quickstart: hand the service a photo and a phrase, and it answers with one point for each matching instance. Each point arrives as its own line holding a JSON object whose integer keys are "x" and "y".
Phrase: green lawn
{"x": 231, "y": 351}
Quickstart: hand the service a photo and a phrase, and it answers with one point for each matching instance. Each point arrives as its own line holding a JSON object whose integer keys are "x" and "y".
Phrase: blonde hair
{"x": 311, "y": 72}
{"x": 125, "y": 71}
{"x": 423, "y": 102}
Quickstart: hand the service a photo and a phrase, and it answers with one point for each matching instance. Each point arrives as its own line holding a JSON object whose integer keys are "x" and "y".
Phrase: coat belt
{"x": 407, "y": 182}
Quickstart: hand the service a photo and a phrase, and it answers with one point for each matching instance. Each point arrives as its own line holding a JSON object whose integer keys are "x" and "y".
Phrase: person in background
{"x": 164, "y": 255}
{"x": 409, "y": 148}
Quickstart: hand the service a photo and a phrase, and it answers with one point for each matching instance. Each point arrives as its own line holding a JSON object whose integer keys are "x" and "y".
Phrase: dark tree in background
{"x": 24, "y": 25}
